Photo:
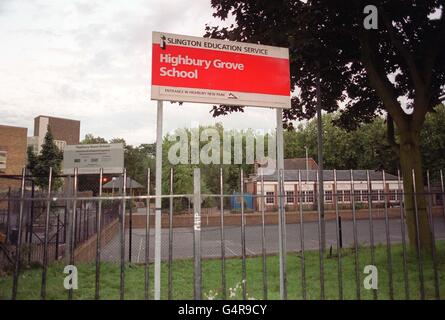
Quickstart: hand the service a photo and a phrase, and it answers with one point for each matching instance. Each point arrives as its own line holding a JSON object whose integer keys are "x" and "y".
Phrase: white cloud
{"x": 90, "y": 60}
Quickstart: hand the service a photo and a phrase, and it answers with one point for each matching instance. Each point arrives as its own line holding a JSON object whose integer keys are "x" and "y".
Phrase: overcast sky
{"x": 90, "y": 60}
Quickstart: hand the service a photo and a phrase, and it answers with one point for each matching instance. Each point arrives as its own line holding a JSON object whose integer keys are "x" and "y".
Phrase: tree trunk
{"x": 410, "y": 158}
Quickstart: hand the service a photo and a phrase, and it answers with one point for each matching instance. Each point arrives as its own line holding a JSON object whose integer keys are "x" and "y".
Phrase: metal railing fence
{"x": 77, "y": 228}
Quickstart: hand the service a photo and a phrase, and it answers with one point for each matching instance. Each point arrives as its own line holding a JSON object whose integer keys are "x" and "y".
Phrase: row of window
{"x": 342, "y": 196}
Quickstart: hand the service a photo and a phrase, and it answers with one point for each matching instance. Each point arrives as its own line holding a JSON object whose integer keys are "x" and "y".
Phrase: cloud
{"x": 90, "y": 60}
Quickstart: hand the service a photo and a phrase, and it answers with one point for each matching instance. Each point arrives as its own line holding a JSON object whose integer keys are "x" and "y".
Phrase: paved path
{"x": 211, "y": 245}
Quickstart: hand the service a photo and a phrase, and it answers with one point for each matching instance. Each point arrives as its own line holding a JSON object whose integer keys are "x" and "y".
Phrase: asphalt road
{"x": 211, "y": 239}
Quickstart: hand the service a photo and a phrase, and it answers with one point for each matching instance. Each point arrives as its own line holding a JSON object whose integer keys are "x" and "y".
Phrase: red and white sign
{"x": 203, "y": 70}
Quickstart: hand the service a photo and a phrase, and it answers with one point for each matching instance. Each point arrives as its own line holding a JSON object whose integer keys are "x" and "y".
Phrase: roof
{"x": 300, "y": 164}
{"x": 131, "y": 184}
{"x": 328, "y": 175}
{"x": 57, "y": 118}
{"x": 291, "y": 164}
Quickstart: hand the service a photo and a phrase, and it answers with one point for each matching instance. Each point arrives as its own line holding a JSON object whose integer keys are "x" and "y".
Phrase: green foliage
{"x": 30, "y": 279}
{"x": 39, "y": 165}
{"x": 210, "y": 173}
{"x": 367, "y": 146}
{"x": 433, "y": 141}
{"x": 91, "y": 139}
{"x": 353, "y": 63}
{"x": 118, "y": 140}
{"x": 137, "y": 160}
{"x": 364, "y": 148}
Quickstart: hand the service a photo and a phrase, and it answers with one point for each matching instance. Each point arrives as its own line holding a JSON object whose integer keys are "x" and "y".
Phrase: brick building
{"x": 65, "y": 131}
{"x": 301, "y": 185}
{"x": 13, "y": 144}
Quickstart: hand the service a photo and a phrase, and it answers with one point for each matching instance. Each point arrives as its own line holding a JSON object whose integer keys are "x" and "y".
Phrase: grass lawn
{"x": 30, "y": 279}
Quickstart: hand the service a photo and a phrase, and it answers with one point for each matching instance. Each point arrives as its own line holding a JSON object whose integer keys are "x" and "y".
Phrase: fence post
{"x": 339, "y": 239}
{"x": 31, "y": 220}
{"x": 401, "y": 197}
{"x": 303, "y": 270}
{"x": 320, "y": 237}
{"x": 130, "y": 225}
{"x": 281, "y": 211}
{"x": 418, "y": 249}
{"x": 170, "y": 240}
{"x": 243, "y": 237}
{"x": 223, "y": 243}
{"x": 354, "y": 228}
{"x": 263, "y": 239}
{"x": 19, "y": 238}
{"x": 56, "y": 254}
{"x": 197, "y": 232}
{"x": 443, "y": 194}
{"x": 388, "y": 238}
{"x": 45, "y": 248}
{"x": 98, "y": 236}
{"x": 147, "y": 240}
{"x": 68, "y": 221}
{"x": 122, "y": 236}
{"x": 72, "y": 232}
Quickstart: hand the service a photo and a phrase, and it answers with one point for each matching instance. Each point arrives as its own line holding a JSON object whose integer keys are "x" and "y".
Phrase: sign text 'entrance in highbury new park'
{"x": 204, "y": 70}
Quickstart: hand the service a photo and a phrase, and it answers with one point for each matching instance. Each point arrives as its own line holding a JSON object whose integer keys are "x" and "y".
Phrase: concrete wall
{"x": 271, "y": 218}
{"x": 86, "y": 252}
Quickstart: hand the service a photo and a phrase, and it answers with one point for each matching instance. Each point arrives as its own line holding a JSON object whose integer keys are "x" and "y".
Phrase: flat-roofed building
{"x": 300, "y": 186}
{"x": 65, "y": 132}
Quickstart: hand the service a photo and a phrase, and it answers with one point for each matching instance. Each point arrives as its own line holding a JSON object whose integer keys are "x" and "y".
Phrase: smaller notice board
{"x": 89, "y": 158}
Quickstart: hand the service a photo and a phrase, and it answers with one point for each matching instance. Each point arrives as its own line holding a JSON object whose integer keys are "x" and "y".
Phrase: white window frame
{"x": 4, "y": 154}
{"x": 291, "y": 197}
{"x": 328, "y": 196}
{"x": 270, "y": 195}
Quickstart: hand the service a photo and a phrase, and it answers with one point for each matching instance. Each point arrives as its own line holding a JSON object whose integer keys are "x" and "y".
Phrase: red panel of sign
{"x": 222, "y": 72}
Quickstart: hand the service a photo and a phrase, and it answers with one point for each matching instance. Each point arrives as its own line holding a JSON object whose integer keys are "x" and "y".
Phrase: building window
{"x": 289, "y": 197}
{"x": 310, "y": 196}
{"x": 357, "y": 195}
{"x": 392, "y": 195}
{"x": 375, "y": 195}
{"x": 307, "y": 196}
{"x": 339, "y": 195}
{"x": 346, "y": 195}
{"x": 328, "y": 196}
{"x": 270, "y": 197}
{"x": 3, "y": 157}
{"x": 381, "y": 195}
{"x": 303, "y": 196}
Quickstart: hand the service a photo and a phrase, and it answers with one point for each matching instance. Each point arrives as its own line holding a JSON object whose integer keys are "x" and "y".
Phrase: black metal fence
{"x": 295, "y": 244}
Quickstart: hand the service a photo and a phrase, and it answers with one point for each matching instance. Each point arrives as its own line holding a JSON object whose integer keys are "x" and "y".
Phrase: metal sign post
{"x": 197, "y": 233}
{"x": 158, "y": 203}
{"x": 281, "y": 215}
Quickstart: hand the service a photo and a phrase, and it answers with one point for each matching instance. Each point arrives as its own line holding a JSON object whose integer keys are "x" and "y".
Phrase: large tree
{"x": 398, "y": 68}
